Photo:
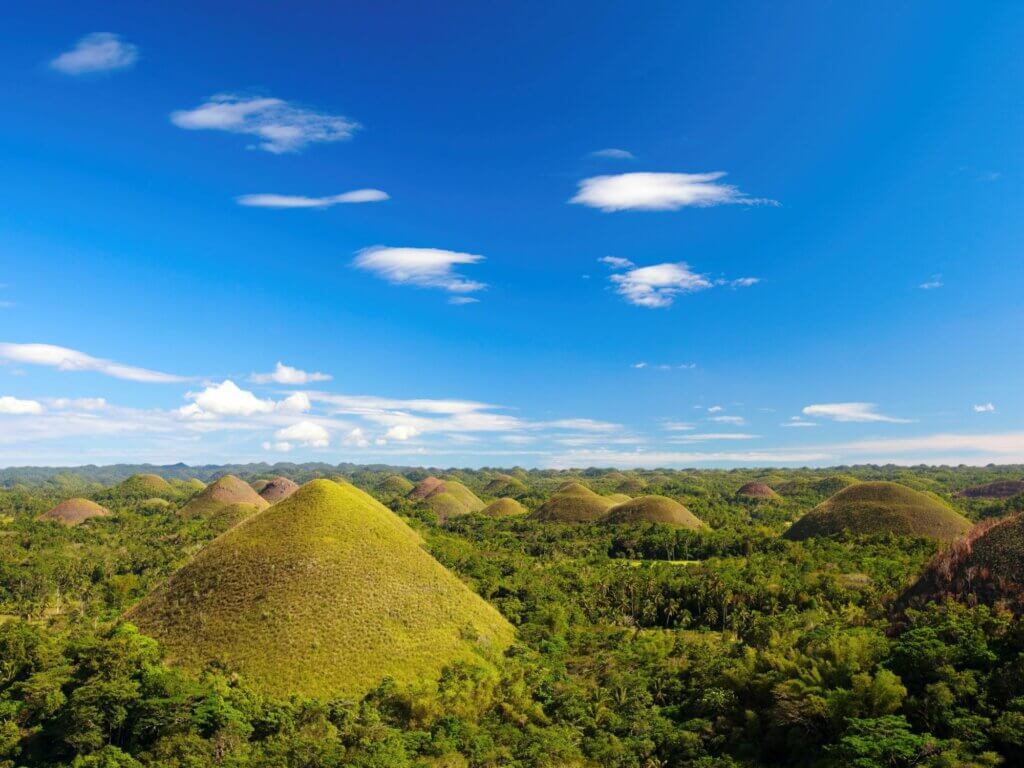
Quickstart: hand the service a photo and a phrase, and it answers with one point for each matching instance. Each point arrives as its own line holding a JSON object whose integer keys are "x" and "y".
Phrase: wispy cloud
{"x": 658, "y": 285}
{"x": 461, "y": 300}
{"x": 422, "y": 267}
{"x": 268, "y": 200}
{"x": 666, "y": 366}
{"x": 697, "y": 437}
{"x": 678, "y": 426}
{"x": 727, "y": 419}
{"x": 656, "y": 459}
{"x": 278, "y": 125}
{"x": 796, "y": 421}
{"x": 98, "y": 52}
{"x": 614, "y": 154}
{"x": 65, "y": 359}
{"x": 935, "y": 281}
{"x": 659, "y": 192}
{"x": 984, "y": 408}
{"x": 851, "y": 412}
{"x": 616, "y": 262}
{"x": 285, "y": 374}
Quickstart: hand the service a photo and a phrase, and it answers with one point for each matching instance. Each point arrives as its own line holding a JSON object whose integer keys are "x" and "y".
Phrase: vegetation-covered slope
{"x": 323, "y": 594}
{"x": 985, "y": 567}
{"x": 881, "y": 507}
{"x": 653, "y": 509}
{"x": 997, "y": 489}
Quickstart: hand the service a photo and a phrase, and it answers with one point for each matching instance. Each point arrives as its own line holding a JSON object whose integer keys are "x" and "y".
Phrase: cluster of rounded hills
{"x": 328, "y": 578}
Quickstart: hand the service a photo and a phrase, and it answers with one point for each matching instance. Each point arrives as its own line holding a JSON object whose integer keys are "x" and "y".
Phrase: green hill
{"x": 631, "y": 486}
{"x": 394, "y": 485}
{"x": 278, "y": 489}
{"x": 74, "y": 512}
{"x": 445, "y": 506}
{"x": 424, "y": 488}
{"x": 618, "y": 498}
{"x": 986, "y": 566}
{"x": 145, "y": 485}
{"x": 505, "y": 485}
{"x": 573, "y": 503}
{"x": 323, "y": 595}
{"x": 504, "y": 507}
{"x": 757, "y": 491}
{"x": 881, "y": 507}
{"x": 225, "y": 502}
{"x": 653, "y": 509}
{"x": 466, "y": 497}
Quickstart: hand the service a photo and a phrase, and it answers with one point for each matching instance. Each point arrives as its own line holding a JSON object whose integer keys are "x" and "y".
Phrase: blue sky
{"x": 660, "y": 234}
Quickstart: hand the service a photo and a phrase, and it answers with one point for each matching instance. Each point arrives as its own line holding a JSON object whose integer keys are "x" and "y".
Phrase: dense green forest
{"x": 637, "y": 645}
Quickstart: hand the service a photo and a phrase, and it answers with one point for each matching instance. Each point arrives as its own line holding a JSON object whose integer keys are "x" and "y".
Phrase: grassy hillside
{"x": 653, "y": 509}
{"x": 74, "y": 512}
{"x": 146, "y": 485}
{"x": 323, "y": 594}
{"x": 881, "y": 507}
{"x": 394, "y": 485}
{"x": 504, "y": 507}
{"x": 997, "y": 489}
{"x": 573, "y": 503}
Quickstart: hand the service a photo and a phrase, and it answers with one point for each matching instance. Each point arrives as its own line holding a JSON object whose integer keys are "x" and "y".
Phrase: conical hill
{"x": 322, "y": 595}
{"x": 881, "y": 507}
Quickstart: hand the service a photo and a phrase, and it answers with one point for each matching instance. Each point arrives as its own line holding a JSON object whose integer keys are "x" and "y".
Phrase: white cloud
{"x": 285, "y": 374}
{"x": 79, "y": 404}
{"x": 727, "y": 419}
{"x": 357, "y": 438}
{"x": 984, "y": 408}
{"x": 297, "y": 402}
{"x": 12, "y": 406}
{"x": 401, "y": 432}
{"x": 658, "y": 285}
{"x": 98, "y": 52}
{"x": 583, "y": 425}
{"x": 616, "y": 262}
{"x": 306, "y": 432}
{"x": 951, "y": 449}
{"x": 740, "y": 282}
{"x": 461, "y": 300}
{"x": 678, "y": 426}
{"x": 700, "y": 437}
{"x": 278, "y": 125}
{"x": 846, "y": 412}
{"x": 714, "y": 409}
{"x": 656, "y": 459}
{"x": 65, "y": 359}
{"x": 640, "y": 365}
{"x": 269, "y": 200}
{"x": 614, "y": 154}
{"x": 280, "y": 447}
{"x": 423, "y": 267}
{"x": 935, "y": 281}
{"x": 796, "y": 421}
{"x": 658, "y": 192}
{"x": 225, "y": 399}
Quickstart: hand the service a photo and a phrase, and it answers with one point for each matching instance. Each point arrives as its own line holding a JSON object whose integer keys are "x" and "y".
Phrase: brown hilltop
{"x": 425, "y": 487}
{"x": 74, "y": 511}
{"x": 997, "y": 489}
{"x": 278, "y": 489}
{"x": 757, "y": 491}
{"x": 654, "y": 509}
